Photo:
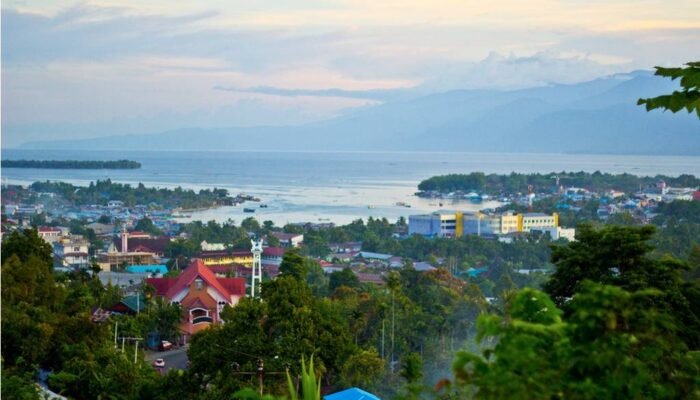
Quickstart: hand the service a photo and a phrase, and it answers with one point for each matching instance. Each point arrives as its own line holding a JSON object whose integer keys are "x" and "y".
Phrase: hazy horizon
{"x": 97, "y": 68}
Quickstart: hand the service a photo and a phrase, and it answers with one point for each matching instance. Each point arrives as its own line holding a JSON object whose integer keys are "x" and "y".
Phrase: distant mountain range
{"x": 600, "y": 116}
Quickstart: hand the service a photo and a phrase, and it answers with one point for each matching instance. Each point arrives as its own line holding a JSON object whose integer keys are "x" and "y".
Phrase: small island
{"x": 71, "y": 164}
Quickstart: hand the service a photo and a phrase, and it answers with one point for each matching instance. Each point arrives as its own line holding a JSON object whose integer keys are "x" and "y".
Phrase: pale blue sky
{"x": 112, "y": 67}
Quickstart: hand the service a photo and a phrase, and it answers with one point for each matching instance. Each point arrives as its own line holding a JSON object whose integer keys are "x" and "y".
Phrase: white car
{"x": 159, "y": 363}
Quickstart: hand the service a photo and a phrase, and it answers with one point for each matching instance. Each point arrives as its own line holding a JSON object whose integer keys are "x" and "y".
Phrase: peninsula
{"x": 71, "y": 164}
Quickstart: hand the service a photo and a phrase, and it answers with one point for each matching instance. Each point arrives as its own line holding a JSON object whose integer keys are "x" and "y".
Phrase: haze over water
{"x": 331, "y": 186}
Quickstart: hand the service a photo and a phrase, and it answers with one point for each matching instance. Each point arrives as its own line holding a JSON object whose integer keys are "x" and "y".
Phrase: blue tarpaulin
{"x": 351, "y": 394}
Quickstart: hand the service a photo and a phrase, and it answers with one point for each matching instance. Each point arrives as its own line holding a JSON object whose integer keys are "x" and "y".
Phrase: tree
{"x": 687, "y": 98}
{"x": 145, "y": 224}
{"x": 346, "y": 277}
{"x": 294, "y": 264}
{"x": 365, "y": 368}
{"x": 614, "y": 344}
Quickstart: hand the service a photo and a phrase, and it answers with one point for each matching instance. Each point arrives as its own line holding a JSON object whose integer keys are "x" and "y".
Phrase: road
{"x": 174, "y": 359}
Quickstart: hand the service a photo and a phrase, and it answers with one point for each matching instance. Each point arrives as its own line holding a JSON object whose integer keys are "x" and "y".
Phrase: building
{"x": 439, "y": 223}
{"x": 227, "y": 257}
{"x": 141, "y": 244}
{"x": 289, "y": 239}
{"x": 458, "y": 224}
{"x": 72, "y": 251}
{"x": 50, "y": 234}
{"x": 154, "y": 270}
{"x": 201, "y": 295}
{"x": 212, "y": 246}
{"x": 273, "y": 255}
{"x": 113, "y": 261}
{"x": 538, "y": 220}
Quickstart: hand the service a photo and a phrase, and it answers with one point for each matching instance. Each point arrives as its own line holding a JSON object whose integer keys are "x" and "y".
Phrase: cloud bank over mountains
{"x": 92, "y": 69}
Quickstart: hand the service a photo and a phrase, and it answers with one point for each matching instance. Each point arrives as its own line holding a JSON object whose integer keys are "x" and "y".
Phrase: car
{"x": 159, "y": 363}
{"x": 165, "y": 345}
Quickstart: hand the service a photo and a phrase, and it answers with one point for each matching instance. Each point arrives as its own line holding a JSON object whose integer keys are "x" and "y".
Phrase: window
{"x": 198, "y": 283}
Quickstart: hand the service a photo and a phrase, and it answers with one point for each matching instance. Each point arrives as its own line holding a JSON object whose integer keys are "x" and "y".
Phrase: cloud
{"x": 378, "y": 94}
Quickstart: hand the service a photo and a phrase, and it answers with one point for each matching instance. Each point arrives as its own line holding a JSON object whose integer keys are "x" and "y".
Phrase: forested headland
{"x": 518, "y": 183}
{"x": 71, "y": 164}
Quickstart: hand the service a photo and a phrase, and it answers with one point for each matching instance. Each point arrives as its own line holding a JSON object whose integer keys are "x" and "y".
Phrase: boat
{"x": 263, "y": 205}
{"x": 249, "y": 210}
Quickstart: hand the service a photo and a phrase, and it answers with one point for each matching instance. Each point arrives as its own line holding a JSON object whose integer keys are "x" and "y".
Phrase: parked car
{"x": 159, "y": 363}
{"x": 165, "y": 345}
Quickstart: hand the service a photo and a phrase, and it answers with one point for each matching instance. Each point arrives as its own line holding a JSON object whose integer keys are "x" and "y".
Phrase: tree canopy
{"x": 687, "y": 98}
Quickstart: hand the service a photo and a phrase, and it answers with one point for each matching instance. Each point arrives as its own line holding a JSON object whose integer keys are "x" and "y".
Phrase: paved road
{"x": 174, "y": 359}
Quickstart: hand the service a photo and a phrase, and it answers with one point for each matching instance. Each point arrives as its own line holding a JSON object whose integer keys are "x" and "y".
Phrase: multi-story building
{"x": 50, "y": 234}
{"x": 72, "y": 251}
{"x": 457, "y": 224}
{"x": 201, "y": 295}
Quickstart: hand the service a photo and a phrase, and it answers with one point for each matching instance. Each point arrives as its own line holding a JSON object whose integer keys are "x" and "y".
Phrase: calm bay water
{"x": 334, "y": 186}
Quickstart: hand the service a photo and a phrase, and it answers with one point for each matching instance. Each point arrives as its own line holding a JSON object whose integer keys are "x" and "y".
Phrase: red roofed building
{"x": 201, "y": 295}
{"x": 49, "y": 233}
{"x": 696, "y": 195}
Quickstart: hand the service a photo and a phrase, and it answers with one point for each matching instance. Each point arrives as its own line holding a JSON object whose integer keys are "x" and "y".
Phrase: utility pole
{"x": 393, "y": 329}
{"x": 383, "y": 320}
{"x": 116, "y": 325}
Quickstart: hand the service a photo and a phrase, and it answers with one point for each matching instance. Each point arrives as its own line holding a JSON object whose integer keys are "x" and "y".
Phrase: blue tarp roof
{"x": 147, "y": 269}
{"x": 351, "y": 394}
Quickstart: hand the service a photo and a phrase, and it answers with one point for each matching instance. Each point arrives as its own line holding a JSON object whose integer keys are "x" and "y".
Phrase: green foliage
{"x": 310, "y": 385}
{"x": 343, "y": 278}
{"x": 146, "y": 225}
{"x": 614, "y": 344}
{"x": 687, "y": 98}
{"x": 294, "y": 264}
{"x": 100, "y": 192}
{"x": 364, "y": 368}
{"x": 512, "y": 183}
{"x": 412, "y": 367}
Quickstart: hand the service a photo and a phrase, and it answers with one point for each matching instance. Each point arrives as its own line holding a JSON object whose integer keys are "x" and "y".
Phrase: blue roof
{"x": 147, "y": 269}
{"x": 351, "y": 394}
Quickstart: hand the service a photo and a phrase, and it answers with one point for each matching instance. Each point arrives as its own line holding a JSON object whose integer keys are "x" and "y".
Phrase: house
{"x": 370, "y": 256}
{"x": 346, "y": 247}
{"x": 141, "y": 244}
{"x": 115, "y": 204}
{"x": 289, "y": 239}
{"x": 101, "y": 229}
{"x": 273, "y": 255}
{"x": 212, "y": 246}
{"x": 72, "y": 251}
{"x": 50, "y": 234}
{"x": 201, "y": 295}
{"x": 130, "y": 305}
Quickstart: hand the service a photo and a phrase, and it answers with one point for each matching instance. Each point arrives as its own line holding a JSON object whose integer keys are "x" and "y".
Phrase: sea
{"x": 319, "y": 187}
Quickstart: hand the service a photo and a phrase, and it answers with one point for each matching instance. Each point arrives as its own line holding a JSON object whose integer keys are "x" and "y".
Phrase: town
{"x": 189, "y": 274}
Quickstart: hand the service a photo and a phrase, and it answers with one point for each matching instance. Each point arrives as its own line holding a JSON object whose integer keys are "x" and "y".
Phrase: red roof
{"x": 273, "y": 251}
{"x": 169, "y": 287}
{"x": 48, "y": 229}
{"x": 235, "y": 286}
{"x": 162, "y": 285}
{"x": 225, "y": 253}
{"x": 156, "y": 245}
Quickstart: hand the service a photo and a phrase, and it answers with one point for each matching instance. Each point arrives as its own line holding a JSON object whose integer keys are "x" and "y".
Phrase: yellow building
{"x": 226, "y": 257}
{"x": 538, "y": 220}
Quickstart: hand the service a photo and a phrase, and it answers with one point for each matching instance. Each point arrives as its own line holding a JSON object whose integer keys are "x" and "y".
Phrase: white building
{"x": 72, "y": 251}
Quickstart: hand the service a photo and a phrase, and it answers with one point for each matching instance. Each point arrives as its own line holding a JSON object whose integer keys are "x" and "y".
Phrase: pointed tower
{"x": 257, "y": 267}
{"x": 125, "y": 240}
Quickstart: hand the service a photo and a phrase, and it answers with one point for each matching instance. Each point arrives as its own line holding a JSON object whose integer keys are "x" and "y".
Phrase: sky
{"x": 98, "y": 68}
